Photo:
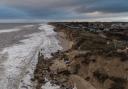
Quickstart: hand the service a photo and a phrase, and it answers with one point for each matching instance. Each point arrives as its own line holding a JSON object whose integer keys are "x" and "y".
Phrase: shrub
{"x": 101, "y": 77}
{"x": 118, "y": 83}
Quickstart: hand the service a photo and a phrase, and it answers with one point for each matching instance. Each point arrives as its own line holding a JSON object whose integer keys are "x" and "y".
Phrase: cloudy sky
{"x": 90, "y": 10}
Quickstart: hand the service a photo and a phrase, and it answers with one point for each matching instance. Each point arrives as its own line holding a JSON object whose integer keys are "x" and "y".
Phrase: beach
{"x": 60, "y": 56}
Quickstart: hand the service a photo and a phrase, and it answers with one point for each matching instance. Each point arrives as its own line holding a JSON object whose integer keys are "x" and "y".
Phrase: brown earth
{"x": 90, "y": 61}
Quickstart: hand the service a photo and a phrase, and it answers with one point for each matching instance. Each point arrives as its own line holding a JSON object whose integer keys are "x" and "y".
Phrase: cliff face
{"x": 100, "y": 63}
{"x": 94, "y": 61}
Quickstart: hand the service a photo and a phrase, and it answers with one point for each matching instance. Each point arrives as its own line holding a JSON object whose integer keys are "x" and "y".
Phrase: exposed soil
{"x": 90, "y": 61}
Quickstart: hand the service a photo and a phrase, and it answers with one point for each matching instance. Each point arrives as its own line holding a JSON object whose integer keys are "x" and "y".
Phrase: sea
{"x": 19, "y": 47}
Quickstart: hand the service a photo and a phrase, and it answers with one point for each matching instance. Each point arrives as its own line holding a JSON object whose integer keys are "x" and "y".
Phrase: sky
{"x": 54, "y": 10}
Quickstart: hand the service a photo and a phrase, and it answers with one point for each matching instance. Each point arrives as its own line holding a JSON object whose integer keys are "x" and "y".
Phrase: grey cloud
{"x": 40, "y": 3}
{"x": 106, "y": 6}
{"x": 65, "y": 9}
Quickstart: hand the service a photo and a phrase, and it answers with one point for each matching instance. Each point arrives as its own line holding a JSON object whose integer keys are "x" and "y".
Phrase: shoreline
{"x": 56, "y": 70}
{"x": 49, "y": 45}
{"x": 87, "y": 58}
{"x": 44, "y": 63}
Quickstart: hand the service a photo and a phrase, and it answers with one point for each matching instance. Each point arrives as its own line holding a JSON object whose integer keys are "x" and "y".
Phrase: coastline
{"x": 41, "y": 73}
{"x": 92, "y": 60}
{"x": 65, "y": 43}
{"x": 87, "y": 58}
{"x": 49, "y": 45}
{"x": 56, "y": 72}
{"x": 60, "y": 56}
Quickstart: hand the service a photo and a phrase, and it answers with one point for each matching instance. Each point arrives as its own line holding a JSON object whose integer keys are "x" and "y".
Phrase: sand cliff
{"x": 90, "y": 61}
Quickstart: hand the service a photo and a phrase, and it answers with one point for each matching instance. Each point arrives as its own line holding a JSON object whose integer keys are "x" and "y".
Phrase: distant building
{"x": 106, "y": 29}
